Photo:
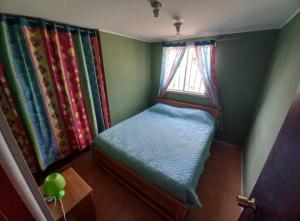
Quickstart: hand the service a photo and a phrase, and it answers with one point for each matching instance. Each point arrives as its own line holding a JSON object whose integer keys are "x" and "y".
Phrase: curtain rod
{"x": 216, "y": 40}
{"x": 49, "y": 23}
{"x": 227, "y": 39}
{"x": 221, "y": 39}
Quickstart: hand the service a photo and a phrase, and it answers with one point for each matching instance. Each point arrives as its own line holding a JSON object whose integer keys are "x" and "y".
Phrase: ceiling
{"x": 134, "y": 18}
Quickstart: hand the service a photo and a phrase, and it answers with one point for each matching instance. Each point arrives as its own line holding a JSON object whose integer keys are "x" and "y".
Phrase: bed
{"x": 160, "y": 154}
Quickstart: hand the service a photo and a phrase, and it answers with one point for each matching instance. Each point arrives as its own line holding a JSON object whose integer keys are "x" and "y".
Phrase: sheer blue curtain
{"x": 173, "y": 53}
{"x": 172, "y": 57}
{"x": 205, "y": 53}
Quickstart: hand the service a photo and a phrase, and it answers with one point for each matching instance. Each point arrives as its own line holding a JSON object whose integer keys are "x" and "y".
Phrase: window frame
{"x": 185, "y": 92}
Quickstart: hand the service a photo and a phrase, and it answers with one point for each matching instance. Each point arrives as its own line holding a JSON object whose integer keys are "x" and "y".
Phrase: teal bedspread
{"x": 166, "y": 145}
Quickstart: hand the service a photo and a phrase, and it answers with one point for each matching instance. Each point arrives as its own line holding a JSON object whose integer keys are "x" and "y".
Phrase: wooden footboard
{"x": 158, "y": 199}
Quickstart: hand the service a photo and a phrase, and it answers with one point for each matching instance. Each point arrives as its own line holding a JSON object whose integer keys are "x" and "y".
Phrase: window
{"x": 187, "y": 78}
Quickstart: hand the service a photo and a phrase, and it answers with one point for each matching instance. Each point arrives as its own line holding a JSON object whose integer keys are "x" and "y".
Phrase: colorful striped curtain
{"x": 52, "y": 88}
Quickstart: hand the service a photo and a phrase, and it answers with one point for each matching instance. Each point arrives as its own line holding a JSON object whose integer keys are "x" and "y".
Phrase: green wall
{"x": 244, "y": 63}
{"x": 127, "y": 65}
{"x": 281, "y": 86}
{"x": 241, "y": 70}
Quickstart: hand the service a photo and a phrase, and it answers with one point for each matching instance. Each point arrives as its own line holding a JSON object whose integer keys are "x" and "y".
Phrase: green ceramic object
{"x": 54, "y": 185}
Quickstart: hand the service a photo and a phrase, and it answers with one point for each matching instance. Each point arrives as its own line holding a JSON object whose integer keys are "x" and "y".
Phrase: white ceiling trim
{"x": 290, "y": 18}
{"x": 213, "y": 34}
{"x": 134, "y": 18}
{"x": 122, "y": 35}
{"x": 242, "y": 30}
{"x": 81, "y": 26}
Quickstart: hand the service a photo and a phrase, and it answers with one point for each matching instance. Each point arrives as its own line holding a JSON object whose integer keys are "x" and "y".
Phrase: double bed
{"x": 160, "y": 154}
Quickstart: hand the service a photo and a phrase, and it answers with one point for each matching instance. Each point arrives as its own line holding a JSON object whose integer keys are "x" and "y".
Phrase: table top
{"x": 76, "y": 189}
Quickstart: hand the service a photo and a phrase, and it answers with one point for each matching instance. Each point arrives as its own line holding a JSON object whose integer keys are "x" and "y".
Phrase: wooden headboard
{"x": 212, "y": 110}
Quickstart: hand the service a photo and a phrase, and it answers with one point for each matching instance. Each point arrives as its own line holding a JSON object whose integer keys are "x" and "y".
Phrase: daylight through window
{"x": 187, "y": 78}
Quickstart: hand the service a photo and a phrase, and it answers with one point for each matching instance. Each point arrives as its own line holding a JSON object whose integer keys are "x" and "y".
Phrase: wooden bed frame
{"x": 157, "y": 198}
{"x": 212, "y": 110}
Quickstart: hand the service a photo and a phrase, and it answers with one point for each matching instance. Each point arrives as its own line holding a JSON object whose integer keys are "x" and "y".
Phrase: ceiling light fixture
{"x": 177, "y": 24}
{"x": 156, "y": 5}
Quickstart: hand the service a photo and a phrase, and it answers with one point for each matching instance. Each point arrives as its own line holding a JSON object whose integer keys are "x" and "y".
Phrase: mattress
{"x": 166, "y": 145}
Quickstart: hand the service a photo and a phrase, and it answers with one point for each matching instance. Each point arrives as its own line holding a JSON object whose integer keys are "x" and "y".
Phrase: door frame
{"x": 16, "y": 167}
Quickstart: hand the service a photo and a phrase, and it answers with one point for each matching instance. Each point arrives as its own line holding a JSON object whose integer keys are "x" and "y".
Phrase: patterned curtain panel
{"x": 52, "y": 88}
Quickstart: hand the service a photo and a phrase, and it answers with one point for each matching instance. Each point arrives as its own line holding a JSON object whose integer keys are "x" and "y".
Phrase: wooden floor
{"x": 217, "y": 189}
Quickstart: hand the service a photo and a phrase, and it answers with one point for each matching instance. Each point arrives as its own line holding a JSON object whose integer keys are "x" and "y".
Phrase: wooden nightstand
{"x": 78, "y": 201}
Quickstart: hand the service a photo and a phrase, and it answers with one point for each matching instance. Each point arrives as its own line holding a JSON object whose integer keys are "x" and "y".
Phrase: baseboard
{"x": 242, "y": 176}
{"x": 227, "y": 144}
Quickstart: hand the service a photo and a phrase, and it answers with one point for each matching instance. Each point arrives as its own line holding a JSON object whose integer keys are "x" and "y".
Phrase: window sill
{"x": 187, "y": 93}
